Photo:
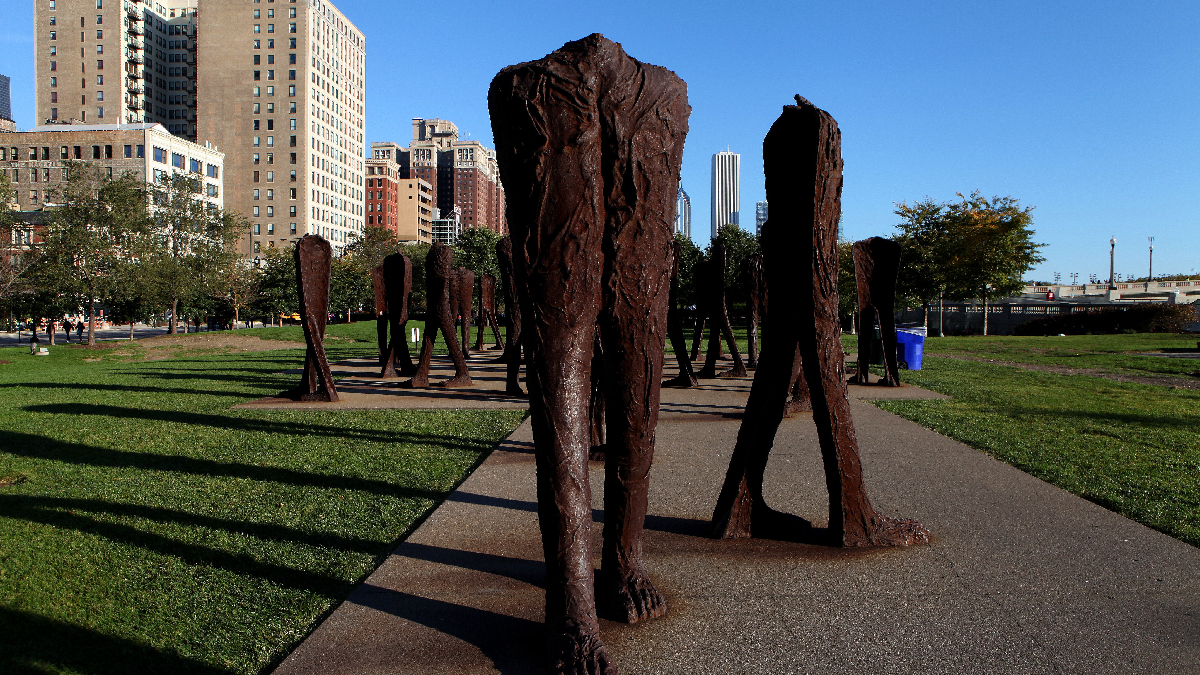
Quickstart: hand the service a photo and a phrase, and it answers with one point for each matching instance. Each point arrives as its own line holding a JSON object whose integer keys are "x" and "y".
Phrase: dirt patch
{"x": 4, "y": 363}
{"x": 226, "y": 340}
{"x": 1170, "y": 381}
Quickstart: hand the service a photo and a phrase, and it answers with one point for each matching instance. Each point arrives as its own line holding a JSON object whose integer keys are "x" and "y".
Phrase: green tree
{"x": 90, "y": 236}
{"x": 371, "y": 246}
{"x": 847, "y": 285}
{"x": 476, "y": 251}
{"x": 739, "y": 245}
{"x": 690, "y": 256}
{"x": 277, "y": 292}
{"x": 417, "y": 253}
{"x": 17, "y": 248}
{"x": 350, "y": 286}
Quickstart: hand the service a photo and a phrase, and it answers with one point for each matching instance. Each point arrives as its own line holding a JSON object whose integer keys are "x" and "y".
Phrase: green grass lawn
{"x": 1132, "y": 448}
{"x": 147, "y": 527}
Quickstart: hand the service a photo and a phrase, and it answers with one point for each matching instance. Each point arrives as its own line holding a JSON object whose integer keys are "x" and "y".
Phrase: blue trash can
{"x": 909, "y": 347}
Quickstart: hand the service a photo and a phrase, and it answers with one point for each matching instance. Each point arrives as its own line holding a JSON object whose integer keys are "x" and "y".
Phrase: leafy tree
{"x": 417, "y": 253}
{"x": 476, "y": 251}
{"x": 89, "y": 238}
{"x": 241, "y": 286}
{"x": 689, "y": 256}
{"x": 350, "y": 285}
{"x": 277, "y": 292}
{"x": 17, "y": 248}
{"x": 739, "y": 245}
{"x": 371, "y": 246}
{"x": 847, "y": 285}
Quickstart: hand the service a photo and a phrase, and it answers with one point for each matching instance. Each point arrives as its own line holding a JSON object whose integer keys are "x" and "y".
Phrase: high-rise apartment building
{"x": 683, "y": 214}
{"x": 277, "y": 85}
{"x": 726, "y": 202}
{"x": 405, "y": 206}
{"x": 5, "y": 99}
{"x": 760, "y": 217}
{"x": 462, "y": 173}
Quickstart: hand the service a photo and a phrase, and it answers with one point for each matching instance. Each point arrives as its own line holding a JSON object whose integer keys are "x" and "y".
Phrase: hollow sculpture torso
{"x": 803, "y": 166}
{"x": 711, "y": 279}
{"x": 686, "y": 377}
{"x": 755, "y": 301}
{"x": 462, "y": 291}
{"x": 314, "y": 257}
{"x": 876, "y": 266}
{"x": 439, "y": 275}
{"x": 512, "y": 336}
{"x": 487, "y": 310}
{"x": 397, "y": 285}
{"x": 589, "y": 143}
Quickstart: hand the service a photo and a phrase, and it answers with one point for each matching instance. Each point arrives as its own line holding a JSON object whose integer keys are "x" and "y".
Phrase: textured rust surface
{"x": 439, "y": 277}
{"x": 462, "y": 292}
{"x": 686, "y": 377}
{"x": 590, "y": 142}
{"x": 512, "y": 318}
{"x": 487, "y": 311}
{"x": 314, "y": 259}
{"x": 876, "y": 266}
{"x": 803, "y": 165}
{"x": 397, "y": 284}
{"x": 756, "y": 286}
{"x": 711, "y": 281}
{"x": 381, "y": 318}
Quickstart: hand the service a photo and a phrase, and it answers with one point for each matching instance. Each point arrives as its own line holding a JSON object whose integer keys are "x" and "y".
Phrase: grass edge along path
{"x": 148, "y": 527}
{"x": 1131, "y": 448}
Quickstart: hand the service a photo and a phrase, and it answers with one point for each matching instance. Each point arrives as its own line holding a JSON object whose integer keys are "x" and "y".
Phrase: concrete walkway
{"x": 1020, "y": 577}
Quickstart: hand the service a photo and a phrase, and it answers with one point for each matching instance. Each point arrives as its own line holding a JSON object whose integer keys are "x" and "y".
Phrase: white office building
{"x": 683, "y": 214}
{"x": 726, "y": 202}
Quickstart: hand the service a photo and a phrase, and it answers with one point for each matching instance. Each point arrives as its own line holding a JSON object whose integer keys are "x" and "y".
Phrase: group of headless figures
{"x": 589, "y": 144}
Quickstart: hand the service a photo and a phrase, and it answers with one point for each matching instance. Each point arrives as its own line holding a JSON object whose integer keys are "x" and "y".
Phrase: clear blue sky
{"x": 1089, "y": 111}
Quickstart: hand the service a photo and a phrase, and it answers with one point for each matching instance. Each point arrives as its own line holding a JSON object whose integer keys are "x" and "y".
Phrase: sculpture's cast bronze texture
{"x": 589, "y": 143}
{"x": 686, "y": 376}
{"x": 755, "y": 302}
{"x": 803, "y": 166}
{"x": 512, "y": 317}
{"x": 876, "y": 267}
{"x": 439, "y": 276}
{"x": 462, "y": 292}
{"x": 314, "y": 259}
{"x": 487, "y": 310}
{"x": 711, "y": 282}
{"x": 397, "y": 284}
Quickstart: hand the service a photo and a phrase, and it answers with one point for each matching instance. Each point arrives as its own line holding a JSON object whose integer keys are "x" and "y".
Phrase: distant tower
{"x": 683, "y": 214}
{"x": 726, "y": 199}
{"x": 5, "y": 101}
{"x": 760, "y": 217}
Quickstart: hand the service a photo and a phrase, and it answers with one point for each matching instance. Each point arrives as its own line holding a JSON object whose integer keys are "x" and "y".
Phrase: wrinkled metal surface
{"x": 687, "y": 376}
{"x": 439, "y": 280}
{"x": 512, "y": 320}
{"x": 487, "y": 311}
{"x": 397, "y": 272}
{"x": 876, "y": 267}
{"x": 314, "y": 259}
{"x": 710, "y": 278}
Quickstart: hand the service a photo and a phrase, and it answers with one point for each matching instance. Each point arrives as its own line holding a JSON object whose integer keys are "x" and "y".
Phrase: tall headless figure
{"x": 512, "y": 336}
{"x": 439, "y": 274}
{"x": 590, "y": 143}
{"x": 462, "y": 292}
{"x": 803, "y": 165}
{"x": 712, "y": 292}
{"x": 876, "y": 266}
{"x": 314, "y": 265}
{"x": 487, "y": 310}
{"x": 397, "y": 287}
{"x": 686, "y": 377}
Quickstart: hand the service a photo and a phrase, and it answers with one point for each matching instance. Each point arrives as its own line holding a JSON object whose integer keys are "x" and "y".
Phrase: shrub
{"x": 1141, "y": 318}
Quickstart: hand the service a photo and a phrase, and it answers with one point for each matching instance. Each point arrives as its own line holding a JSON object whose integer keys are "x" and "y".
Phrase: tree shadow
{"x": 41, "y": 447}
{"x": 30, "y": 643}
{"x": 670, "y": 524}
{"x": 532, "y": 572}
{"x": 119, "y": 387}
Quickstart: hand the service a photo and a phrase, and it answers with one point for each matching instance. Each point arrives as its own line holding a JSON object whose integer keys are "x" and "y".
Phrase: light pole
{"x": 1150, "y": 276}
{"x": 1112, "y": 255}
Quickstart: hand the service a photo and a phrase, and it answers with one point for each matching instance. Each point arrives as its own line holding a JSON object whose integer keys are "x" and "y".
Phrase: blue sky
{"x": 1089, "y": 111}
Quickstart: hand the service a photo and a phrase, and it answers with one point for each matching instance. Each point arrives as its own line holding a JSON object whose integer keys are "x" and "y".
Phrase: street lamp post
{"x": 1112, "y": 255}
{"x": 1150, "y": 276}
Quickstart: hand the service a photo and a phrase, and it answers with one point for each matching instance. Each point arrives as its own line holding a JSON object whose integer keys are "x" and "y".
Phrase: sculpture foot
{"x": 576, "y": 651}
{"x": 706, "y": 373}
{"x": 455, "y": 382}
{"x": 681, "y": 381}
{"x": 515, "y": 390}
{"x": 629, "y": 597}
{"x": 795, "y": 406}
{"x": 736, "y": 371}
{"x": 416, "y": 383}
{"x": 596, "y": 453}
{"x": 407, "y": 372}
{"x": 748, "y": 517}
{"x": 884, "y": 531}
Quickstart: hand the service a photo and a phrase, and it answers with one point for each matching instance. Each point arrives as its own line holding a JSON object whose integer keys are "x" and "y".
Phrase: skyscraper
{"x": 5, "y": 101}
{"x": 683, "y": 214}
{"x": 760, "y": 217}
{"x": 726, "y": 202}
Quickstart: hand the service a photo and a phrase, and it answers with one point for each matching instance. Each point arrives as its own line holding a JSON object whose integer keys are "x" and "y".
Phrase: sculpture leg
{"x": 739, "y": 367}
{"x": 381, "y": 334}
{"x": 709, "y": 371}
{"x": 462, "y": 377}
{"x": 887, "y": 329}
{"x": 495, "y": 323}
{"x": 420, "y": 378}
{"x": 401, "y": 357}
{"x": 866, "y": 344}
{"x": 512, "y": 382}
{"x": 596, "y": 404}
{"x": 752, "y": 337}
{"x": 686, "y": 377}
{"x": 697, "y": 336}
{"x": 800, "y": 401}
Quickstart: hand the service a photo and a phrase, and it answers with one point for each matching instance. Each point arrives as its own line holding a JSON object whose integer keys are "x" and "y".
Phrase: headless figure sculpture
{"x": 755, "y": 300}
{"x": 512, "y": 336}
{"x": 397, "y": 284}
{"x": 462, "y": 292}
{"x": 314, "y": 259}
{"x": 712, "y": 291}
{"x": 876, "y": 266}
{"x": 439, "y": 274}
{"x": 803, "y": 166}
{"x": 487, "y": 310}
{"x": 589, "y": 143}
{"x": 686, "y": 377}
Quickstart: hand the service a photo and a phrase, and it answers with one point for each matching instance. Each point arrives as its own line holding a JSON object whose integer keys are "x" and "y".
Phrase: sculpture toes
{"x": 455, "y": 382}
{"x": 731, "y": 373}
{"x": 891, "y": 532}
{"x": 578, "y": 653}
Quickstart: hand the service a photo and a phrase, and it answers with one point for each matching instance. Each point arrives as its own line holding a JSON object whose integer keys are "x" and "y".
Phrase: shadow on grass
{"x": 1111, "y": 417}
{"x": 120, "y": 387}
{"x": 330, "y": 587}
{"x": 41, "y": 447}
{"x": 30, "y": 643}
{"x": 249, "y": 424}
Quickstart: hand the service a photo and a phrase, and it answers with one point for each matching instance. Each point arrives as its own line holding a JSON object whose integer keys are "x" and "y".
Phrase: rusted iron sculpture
{"x": 439, "y": 276}
{"x": 381, "y": 315}
{"x": 314, "y": 259}
{"x": 686, "y": 377}
{"x": 487, "y": 311}
{"x": 462, "y": 295}
{"x": 590, "y": 143}
{"x": 711, "y": 281}
{"x": 512, "y": 317}
{"x": 803, "y": 166}
{"x": 755, "y": 302}
{"x": 397, "y": 284}
{"x": 876, "y": 266}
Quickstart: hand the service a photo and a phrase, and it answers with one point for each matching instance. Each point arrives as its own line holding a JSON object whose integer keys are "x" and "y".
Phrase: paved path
{"x": 1020, "y": 577}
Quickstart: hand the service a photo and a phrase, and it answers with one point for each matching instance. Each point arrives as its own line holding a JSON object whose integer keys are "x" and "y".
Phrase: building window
{"x": 293, "y": 161}
{"x": 54, "y": 97}
{"x": 257, "y": 15}
{"x": 256, "y": 143}
{"x": 99, "y": 64}
{"x": 53, "y": 35}
{"x": 270, "y": 91}
{"x": 292, "y": 59}
{"x": 256, "y": 91}
{"x": 270, "y": 193}
{"x": 257, "y": 75}
{"x": 95, "y": 152}
{"x": 270, "y": 158}
{"x": 141, "y": 151}
{"x": 100, "y": 80}
{"x": 270, "y": 125}
{"x": 270, "y": 228}
{"x": 99, "y": 33}
{"x": 258, "y": 44}
{"x": 257, "y": 28}
{"x": 270, "y": 28}
{"x": 270, "y": 176}
{"x": 53, "y": 50}
{"x": 270, "y": 141}
{"x": 54, "y": 66}
{"x": 255, "y": 210}
{"x": 256, "y": 158}
{"x": 99, "y": 96}
{"x": 196, "y": 166}
{"x": 54, "y": 82}
{"x": 256, "y": 247}
{"x": 99, "y": 19}
{"x": 292, "y": 92}
{"x": 292, "y": 214}
{"x": 99, "y": 49}
{"x": 293, "y": 174}
{"x": 292, "y": 43}
{"x": 255, "y": 176}
{"x": 256, "y": 199}
{"x": 270, "y": 211}
{"x": 270, "y": 74}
